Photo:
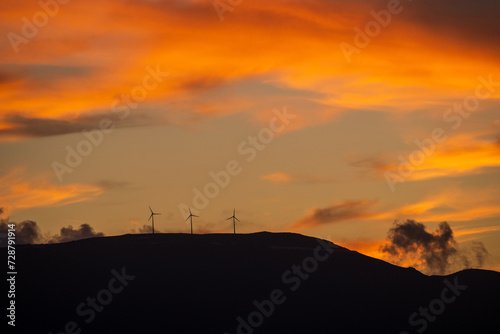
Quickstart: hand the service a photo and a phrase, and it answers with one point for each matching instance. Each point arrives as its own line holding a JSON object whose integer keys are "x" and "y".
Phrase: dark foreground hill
{"x": 254, "y": 283}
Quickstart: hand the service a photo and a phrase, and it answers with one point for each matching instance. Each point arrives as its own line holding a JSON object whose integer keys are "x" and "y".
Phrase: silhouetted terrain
{"x": 181, "y": 283}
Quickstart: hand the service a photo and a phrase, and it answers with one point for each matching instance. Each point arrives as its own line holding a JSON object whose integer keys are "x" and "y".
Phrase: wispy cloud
{"x": 450, "y": 204}
{"x": 337, "y": 212}
{"x": 281, "y": 177}
{"x": 460, "y": 155}
{"x": 20, "y": 191}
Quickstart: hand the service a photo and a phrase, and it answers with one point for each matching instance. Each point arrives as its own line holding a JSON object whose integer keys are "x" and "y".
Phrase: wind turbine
{"x": 233, "y": 217}
{"x": 153, "y": 214}
{"x": 191, "y": 216}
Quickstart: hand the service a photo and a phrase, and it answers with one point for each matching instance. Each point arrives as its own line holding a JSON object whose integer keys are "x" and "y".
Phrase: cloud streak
{"x": 281, "y": 178}
{"x": 337, "y": 212}
{"x": 459, "y": 156}
{"x": 20, "y": 192}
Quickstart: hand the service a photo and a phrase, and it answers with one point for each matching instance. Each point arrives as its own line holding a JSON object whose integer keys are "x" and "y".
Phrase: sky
{"x": 334, "y": 119}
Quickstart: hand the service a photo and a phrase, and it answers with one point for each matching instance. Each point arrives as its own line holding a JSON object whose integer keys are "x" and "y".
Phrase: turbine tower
{"x": 233, "y": 217}
{"x": 191, "y": 216}
{"x": 152, "y": 217}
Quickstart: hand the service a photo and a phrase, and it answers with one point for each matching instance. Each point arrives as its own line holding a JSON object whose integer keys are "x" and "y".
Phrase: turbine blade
{"x": 187, "y": 218}
{"x": 150, "y": 209}
{"x": 195, "y": 216}
{"x": 229, "y": 218}
{"x": 189, "y": 210}
{"x": 236, "y": 219}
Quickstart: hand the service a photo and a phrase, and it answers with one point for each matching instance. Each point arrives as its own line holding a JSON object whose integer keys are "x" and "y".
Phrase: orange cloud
{"x": 281, "y": 177}
{"x": 20, "y": 192}
{"x": 300, "y": 62}
{"x": 457, "y": 156}
{"x": 278, "y": 177}
{"x": 467, "y": 234}
{"x": 452, "y": 204}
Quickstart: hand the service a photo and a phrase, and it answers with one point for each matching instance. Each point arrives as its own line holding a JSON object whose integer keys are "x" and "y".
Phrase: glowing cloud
{"x": 280, "y": 178}
{"x": 302, "y": 55}
{"x": 19, "y": 191}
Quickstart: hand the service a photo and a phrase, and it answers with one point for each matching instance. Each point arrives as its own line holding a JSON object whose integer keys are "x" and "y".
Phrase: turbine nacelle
{"x": 152, "y": 216}
{"x": 191, "y": 216}
{"x": 233, "y": 217}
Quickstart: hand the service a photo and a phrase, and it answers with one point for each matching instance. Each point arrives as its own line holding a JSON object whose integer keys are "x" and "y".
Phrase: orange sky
{"x": 182, "y": 93}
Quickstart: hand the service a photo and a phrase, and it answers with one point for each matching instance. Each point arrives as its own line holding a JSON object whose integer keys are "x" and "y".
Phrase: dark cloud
{"x": 335, "y": 213}
{"x": 469, "y": 20}
{"x": 147, "y": 229}
{"x": 70, "y": 234}
{"x": 438, "y": 251}
{"x": 27, "y": 232}
{"x": 25, "y": 126}
{"x": 42, "y": 127}
{"x": 41, "y": 75}
{"x": 202, "y": 84}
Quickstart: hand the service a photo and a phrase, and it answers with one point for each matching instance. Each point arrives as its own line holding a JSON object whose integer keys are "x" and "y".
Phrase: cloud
{"x": 17, "y": 125}
{"x": 452, "y": 204}
{"x": 20, "y": 191}
{"x": 334, "y": 213}
{"x": 277, "y": 177}
{"x": 474, "y": 22}
{"x": 458, "y": 156}
{"x": 435, "y": 252}
{"x": 34, "y": 76}
{"x": 69, "y": 234}
{"x": 145, "y": 229}
{"x": 467, "y": 234}
{"x": 280, "y": 177}
{"x": 27, "y": 232}
{"x": 302, "y": 54}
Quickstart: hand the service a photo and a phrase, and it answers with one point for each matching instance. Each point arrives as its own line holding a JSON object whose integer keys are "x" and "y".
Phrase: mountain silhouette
{"x": 245, "y": 283}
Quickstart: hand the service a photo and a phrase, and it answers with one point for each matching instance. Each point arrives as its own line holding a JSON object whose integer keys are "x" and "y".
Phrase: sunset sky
{"x": 328, "y": 118}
